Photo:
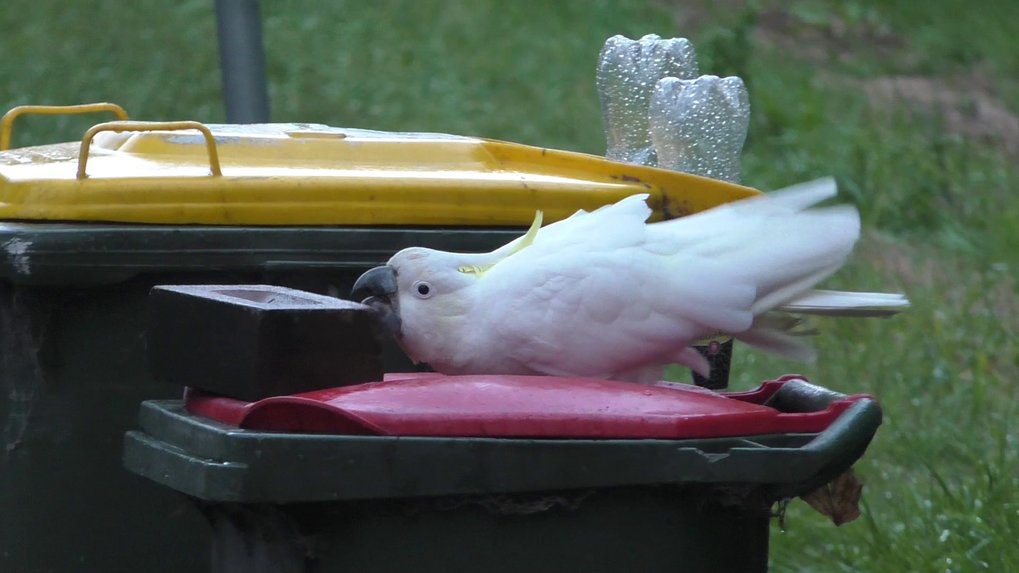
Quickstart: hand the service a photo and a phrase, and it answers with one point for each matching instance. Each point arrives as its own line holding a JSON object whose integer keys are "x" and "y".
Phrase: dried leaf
{"x": 838, "y": 499}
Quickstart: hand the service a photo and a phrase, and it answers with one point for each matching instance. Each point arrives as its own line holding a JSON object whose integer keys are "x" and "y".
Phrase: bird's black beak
{"x": 377, "y": 289}
{"x": 378, "y": 282}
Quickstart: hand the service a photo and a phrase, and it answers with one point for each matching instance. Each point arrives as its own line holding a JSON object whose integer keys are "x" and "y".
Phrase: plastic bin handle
{"x": 119, "y": 126}
{"x": 838, "y": 447}
{"x": 7, "y": 123}
{"x": 797, "y": 396}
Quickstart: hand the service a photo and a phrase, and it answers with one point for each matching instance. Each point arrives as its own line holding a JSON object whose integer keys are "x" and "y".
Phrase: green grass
{"x": 942, "y": 477}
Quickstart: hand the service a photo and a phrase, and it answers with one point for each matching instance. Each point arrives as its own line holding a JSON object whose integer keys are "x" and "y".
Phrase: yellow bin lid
{"x": 303, "y": 174}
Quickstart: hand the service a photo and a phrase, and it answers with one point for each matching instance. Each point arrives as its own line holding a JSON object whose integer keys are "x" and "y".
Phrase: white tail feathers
{"x": 781, "y": 334}
{"x": 846, "y": 303}
{"x": 798, "y": 246}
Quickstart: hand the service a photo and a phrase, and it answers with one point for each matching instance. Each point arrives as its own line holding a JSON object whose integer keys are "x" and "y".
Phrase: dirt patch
{"x": 828, "y": 39}
{"x": 923, "y": 268}
{"x": 967, "y": 106}
{"x": 954, "y": 289}
{"x": 818, "y": 38}
{"x": 906, "y": 265}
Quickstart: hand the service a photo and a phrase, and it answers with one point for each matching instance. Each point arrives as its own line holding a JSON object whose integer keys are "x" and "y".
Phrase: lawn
{"x": 911, "y": 106}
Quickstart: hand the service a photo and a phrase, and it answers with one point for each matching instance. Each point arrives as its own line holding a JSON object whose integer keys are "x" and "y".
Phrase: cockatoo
{"x": 605, "y": 294}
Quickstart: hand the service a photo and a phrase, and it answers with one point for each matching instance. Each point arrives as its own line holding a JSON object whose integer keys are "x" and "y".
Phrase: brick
{"x": 254, "y": 341}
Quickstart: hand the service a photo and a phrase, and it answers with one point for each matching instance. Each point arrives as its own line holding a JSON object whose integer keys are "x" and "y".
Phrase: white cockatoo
{"x": 604, "y": 294}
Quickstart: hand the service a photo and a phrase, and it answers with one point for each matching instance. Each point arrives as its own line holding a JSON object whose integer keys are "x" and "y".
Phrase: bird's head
{"x": 421, "y": 295}
{"x": 425, "y": 297}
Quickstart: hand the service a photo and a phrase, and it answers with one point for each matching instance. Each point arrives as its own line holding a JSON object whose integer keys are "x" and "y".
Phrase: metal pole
{"x": 242, "y": 60}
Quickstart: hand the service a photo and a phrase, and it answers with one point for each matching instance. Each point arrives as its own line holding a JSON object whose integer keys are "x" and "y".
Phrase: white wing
{"x": 603, "y": 293}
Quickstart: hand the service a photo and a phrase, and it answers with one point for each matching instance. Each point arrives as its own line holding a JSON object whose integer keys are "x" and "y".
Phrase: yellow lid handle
{"x": 7, "y": 122}
{"x": 119, "y": 126}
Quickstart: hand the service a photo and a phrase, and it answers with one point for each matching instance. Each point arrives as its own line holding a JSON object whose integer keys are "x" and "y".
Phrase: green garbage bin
{"x": 391, "y": 493}
{"x": 473, "y": 473}
{"x": 74, "y": 373}
{"x": 86, "y": 228}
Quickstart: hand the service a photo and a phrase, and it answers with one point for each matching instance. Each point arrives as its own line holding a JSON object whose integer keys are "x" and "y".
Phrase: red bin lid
{"x": 428, "y": 404}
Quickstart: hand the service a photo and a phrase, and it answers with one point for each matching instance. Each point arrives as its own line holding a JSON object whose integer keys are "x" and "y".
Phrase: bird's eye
{"x": 423, "y": 289}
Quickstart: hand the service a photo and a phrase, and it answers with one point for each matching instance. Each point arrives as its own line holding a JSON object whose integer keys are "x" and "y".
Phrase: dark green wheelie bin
{"x": 491, "y": 473}
{"x": 73, "y": 371}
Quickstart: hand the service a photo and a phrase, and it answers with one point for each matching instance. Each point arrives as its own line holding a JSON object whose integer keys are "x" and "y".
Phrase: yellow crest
{"x": 522, "y": 244}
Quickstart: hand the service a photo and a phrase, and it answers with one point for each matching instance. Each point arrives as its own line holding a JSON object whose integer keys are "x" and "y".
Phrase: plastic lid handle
{"x": 119, "y": 126}
{"x": 7, "y": 123}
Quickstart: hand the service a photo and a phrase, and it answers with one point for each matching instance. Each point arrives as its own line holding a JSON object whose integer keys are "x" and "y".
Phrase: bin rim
{"x": 217, "y": 462}
{"x": 429, "y": 404}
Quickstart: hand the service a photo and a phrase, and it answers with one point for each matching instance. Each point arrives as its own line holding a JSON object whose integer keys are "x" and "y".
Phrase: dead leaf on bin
{"x": 838, "y": 499}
